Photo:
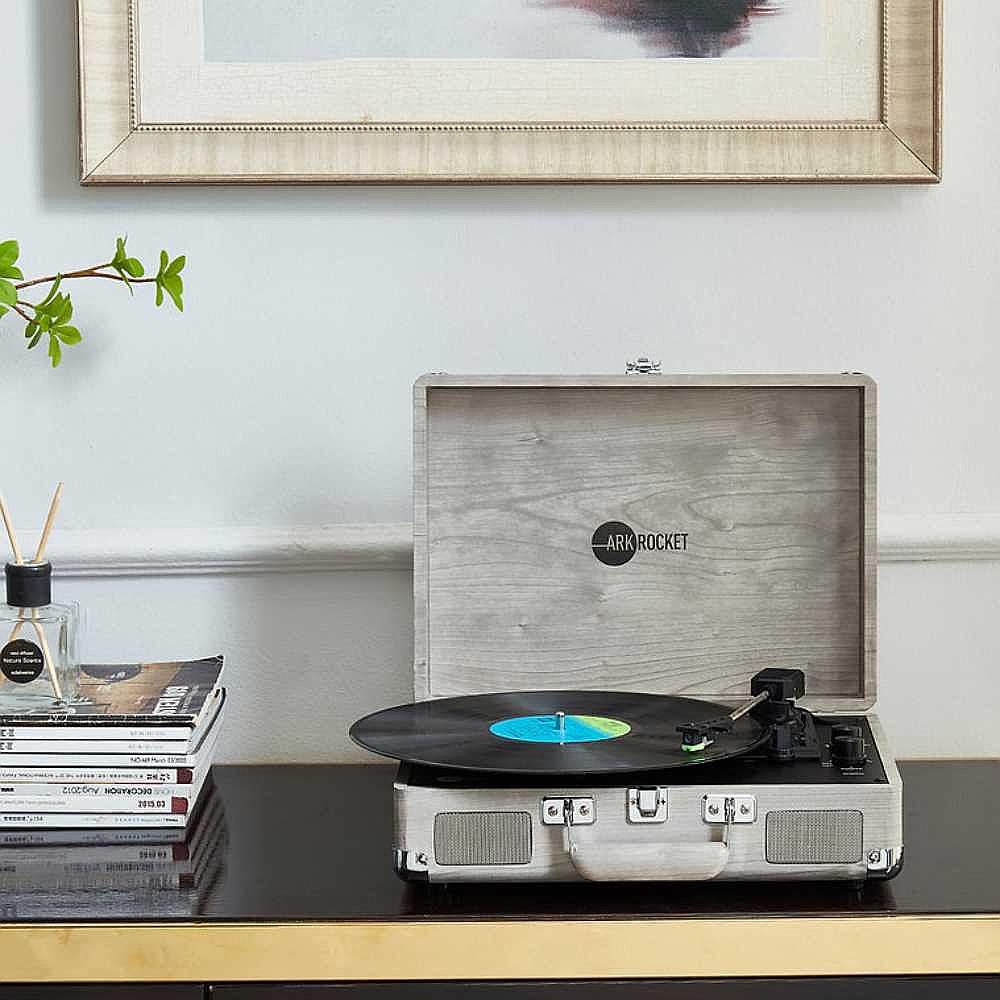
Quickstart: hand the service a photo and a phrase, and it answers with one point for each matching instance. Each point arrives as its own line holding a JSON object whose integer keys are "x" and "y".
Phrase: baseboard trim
{"x": 337, "y": 547}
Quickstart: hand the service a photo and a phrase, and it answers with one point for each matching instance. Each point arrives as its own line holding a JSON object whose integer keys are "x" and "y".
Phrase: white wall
{"x": 282, "y": 396}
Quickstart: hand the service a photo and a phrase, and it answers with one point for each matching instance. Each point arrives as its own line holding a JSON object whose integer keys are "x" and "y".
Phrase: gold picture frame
{"x": 903, "y": 144}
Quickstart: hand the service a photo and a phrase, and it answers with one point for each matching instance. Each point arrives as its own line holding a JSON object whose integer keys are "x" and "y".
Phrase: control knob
{"x": 847, "y": 746}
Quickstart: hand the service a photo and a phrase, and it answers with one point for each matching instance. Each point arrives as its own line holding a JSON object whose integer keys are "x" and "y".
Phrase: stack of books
{"x": 116, "y": 872}
{"x": 135, "y": 754}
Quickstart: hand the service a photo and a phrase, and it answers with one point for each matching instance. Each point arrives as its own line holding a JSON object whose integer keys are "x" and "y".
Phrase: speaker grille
{"x": 814, "y": 837}
{"x": 482, "y": 838}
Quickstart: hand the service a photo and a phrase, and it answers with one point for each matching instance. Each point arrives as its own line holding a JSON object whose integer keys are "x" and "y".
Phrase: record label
{"x": 547, "y": 729}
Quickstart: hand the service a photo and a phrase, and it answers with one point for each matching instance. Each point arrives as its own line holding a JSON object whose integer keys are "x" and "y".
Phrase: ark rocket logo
{"x": 615, "y": 543}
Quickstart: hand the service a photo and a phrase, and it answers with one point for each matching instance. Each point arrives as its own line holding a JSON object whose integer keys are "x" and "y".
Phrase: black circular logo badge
{"x": 613, "y": 543}
{"x": 21, "y": 661}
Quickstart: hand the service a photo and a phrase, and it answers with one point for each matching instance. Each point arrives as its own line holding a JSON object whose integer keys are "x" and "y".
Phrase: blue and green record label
{"x": 545, "y": 729}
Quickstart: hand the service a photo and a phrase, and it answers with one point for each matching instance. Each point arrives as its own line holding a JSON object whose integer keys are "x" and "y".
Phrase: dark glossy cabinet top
{"x": 314, "y": 843}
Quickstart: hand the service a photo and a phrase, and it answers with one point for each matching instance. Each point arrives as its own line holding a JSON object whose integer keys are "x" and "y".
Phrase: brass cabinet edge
{"x": 688, "y": 947}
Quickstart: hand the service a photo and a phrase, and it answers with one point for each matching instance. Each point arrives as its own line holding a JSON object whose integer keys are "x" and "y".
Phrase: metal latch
{"x": 647, "y": 805}
{"x": 729, "y": 809}
{"x": 881, "y": 859}
{"x": 642, "y": 366}
{"x": 568, "y": 811}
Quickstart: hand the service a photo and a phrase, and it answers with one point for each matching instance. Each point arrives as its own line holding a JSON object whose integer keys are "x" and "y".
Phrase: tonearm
{"x": 772, "y": 703}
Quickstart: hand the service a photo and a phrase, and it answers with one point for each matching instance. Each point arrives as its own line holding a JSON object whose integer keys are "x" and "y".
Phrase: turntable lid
{"x": 670, "y": 534}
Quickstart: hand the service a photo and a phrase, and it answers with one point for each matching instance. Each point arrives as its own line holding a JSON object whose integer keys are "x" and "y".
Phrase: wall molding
{"x": 938, "y": 537}
{"x": 229, "y": 550}
{"x": 337, "y": 547}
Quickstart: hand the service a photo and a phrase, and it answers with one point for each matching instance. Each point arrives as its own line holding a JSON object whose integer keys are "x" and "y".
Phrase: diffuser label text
{"x": 21, "y": 661}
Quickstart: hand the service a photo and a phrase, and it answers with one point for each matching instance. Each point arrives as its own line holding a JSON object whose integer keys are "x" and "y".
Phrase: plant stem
{"x": 22, "y": 314}
{"x": 85, "y": 272}
{"x": 100, "y": 274}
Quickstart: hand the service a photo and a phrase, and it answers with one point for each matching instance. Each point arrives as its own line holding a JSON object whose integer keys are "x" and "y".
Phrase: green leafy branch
{"x": 49, "y": 319}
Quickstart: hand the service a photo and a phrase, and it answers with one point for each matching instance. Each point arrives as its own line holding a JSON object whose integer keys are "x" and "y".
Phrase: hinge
{"x": 642, "y": 366}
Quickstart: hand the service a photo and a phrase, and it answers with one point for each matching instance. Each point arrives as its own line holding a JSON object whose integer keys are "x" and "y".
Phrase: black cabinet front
{"x": 855, "y": 988}
{"x": 126, "y": 991}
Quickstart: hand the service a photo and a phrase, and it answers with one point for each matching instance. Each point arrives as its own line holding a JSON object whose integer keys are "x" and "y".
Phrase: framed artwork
{"x": 509, "y": 90}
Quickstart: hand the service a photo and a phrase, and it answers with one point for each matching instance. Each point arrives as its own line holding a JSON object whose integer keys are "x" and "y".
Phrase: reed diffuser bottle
{"x": 39, "y": 665}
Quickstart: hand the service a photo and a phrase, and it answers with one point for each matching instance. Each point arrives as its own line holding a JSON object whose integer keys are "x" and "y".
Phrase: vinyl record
{"x": 551, "y": 732}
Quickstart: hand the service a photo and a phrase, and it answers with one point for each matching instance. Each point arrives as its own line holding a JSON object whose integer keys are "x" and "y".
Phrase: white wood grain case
{"x": 770, "y": 479}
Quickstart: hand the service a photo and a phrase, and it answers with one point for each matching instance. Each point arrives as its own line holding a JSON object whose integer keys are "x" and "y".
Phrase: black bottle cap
{"x": 29, "y": 585}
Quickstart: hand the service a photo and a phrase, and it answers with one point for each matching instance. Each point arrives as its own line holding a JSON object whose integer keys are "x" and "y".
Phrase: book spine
{"x": 95, "y": 837}
{"x": 65, "y": 821}
{"x": 112, "y": 792}
{"x": 89, "y": 731}
{"x": 178, "y": 747}
{"x": 152, "y": 800}
{"x": 96, "y": 776}
{"x": 97, "y": 760}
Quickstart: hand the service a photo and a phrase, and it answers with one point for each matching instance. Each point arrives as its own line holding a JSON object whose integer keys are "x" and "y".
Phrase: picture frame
{"x": 121, "y": 144}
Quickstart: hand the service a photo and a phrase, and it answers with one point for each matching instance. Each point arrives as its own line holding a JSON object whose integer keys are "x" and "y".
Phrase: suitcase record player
{"x": 645, "y": 633}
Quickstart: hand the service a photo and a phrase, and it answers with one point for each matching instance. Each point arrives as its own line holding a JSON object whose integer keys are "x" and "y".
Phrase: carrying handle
{"x": 647, "y": 862}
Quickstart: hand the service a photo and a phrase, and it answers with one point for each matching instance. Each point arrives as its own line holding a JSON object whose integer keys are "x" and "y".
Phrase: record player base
{"x": 798, "y": 820}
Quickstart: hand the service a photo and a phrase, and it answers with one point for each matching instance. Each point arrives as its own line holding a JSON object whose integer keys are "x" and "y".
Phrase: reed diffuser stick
{"x": 53, "y": 510}
{"x": 14, "y": 547}
{"x": 18, "y": 625}
{"x": 47, "y": 654}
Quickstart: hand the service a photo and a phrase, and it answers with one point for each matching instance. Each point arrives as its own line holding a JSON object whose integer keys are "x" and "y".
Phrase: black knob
{"x": 847, "y": 746}
{"x": 844, "y": 729}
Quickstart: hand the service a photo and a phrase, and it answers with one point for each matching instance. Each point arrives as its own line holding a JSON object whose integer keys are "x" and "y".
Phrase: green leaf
{"x": 9, "y": 252}
{"x": 159, "y": 294}
{"x": 31, "y": 329}
{"x": 120, "y": 254}
{"x": 124, "y": 276}
{"x": 65, "y": 313}
{"x": 68, "y": 334}
{"x": 52, "y": 292}
{"x": 133, "y": 266}
{"x": 164, "y": 261}
{"x": 55, "y": 351}
{"x": 34, "y": 340}
{"x": 8, "y": 294}
{"x": 177, "y": 265}
{"x": 174, "y": 287}
{"x": 49, "y": 307}
{"x": 11, "y": 272}
{"x": 4, "y": 310}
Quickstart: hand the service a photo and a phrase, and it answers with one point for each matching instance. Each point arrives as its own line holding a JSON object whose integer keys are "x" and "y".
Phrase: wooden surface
{"x": 773, "y": 486}
{"x": 903, "y": 144}
{"x": 308, "y": 893}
